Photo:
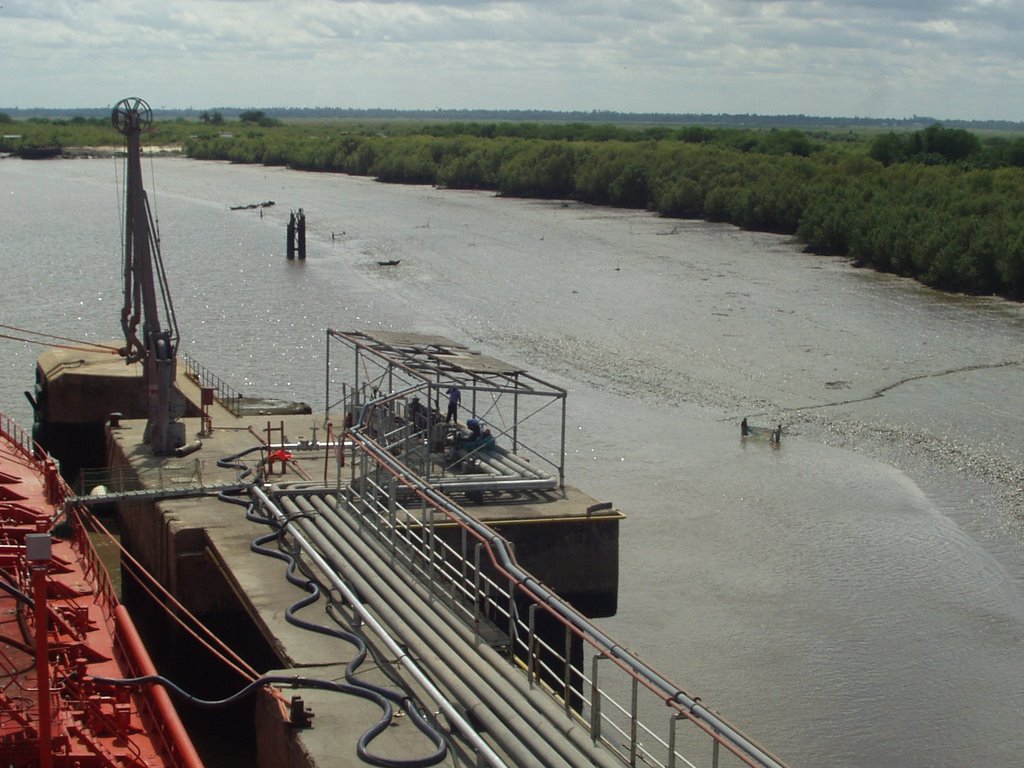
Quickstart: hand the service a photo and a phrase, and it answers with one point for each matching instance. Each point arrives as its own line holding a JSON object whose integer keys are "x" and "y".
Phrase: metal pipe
{"x": 518, "y": 465}
{"x": 544, "y": 738}
{"x": 184, "y": 751}
{"x": 493, "y": 681}
{"x": 487, "y": 483}
{"x": 42, "y": 617}
{"x": 419, "y": 644}
{"x": 453, "y": 715}
{"x": 503, "y": 558}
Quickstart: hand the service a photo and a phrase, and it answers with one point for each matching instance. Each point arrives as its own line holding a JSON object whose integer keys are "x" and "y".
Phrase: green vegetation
{"x": 942, "y": 205}
{"x": 258, "y": 117}
{"x": 214, "y": 118}
{"x": 89, "y": 132}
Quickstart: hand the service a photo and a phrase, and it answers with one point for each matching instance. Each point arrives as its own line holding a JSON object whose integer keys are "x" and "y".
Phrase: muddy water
{"x": 850, "y": 598}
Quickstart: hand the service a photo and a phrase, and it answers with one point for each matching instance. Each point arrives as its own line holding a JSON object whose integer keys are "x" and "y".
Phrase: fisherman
{"x": 744, "y": 429}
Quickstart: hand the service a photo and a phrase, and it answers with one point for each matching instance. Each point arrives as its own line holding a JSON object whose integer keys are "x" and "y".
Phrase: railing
{"x": 57, "y": 490}
{"x": 227, "y": 395}
{"x": 123, "y": 478}
{"x": 19, "y": 436}
{"x": 599, "y": 683}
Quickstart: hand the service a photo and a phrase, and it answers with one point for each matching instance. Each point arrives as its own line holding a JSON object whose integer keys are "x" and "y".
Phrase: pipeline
{"x": 505, "y": 560}
{"x": 556, "y": 731}
{"x": 511, "y": 679}
{"x": 452, "y": 714}
{"x": 488, "y": 483}
{"x": 481, "y": 702}
{"x": 515, "y": 460}
{"x": 378, "y": 694}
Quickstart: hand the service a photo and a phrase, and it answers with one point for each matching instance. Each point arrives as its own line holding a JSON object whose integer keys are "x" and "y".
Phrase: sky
{"x": 947, "y": 59}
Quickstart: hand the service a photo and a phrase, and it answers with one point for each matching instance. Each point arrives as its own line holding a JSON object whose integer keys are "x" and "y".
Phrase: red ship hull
{"x": 53, "y": 712}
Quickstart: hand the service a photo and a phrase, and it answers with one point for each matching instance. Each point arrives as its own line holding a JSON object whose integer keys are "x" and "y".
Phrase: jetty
{"x": 409, "y": 594}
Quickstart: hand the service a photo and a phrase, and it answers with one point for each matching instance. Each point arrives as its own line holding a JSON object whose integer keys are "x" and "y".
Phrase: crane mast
{"x": 147, "y": 301}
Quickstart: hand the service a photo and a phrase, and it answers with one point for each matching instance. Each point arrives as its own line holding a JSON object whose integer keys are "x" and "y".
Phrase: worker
{"x": 454, "y": 398}
{"x": 417, "y": 413}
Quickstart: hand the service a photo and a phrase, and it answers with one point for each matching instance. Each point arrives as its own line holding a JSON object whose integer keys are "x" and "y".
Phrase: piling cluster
{"x": 296, "y": 240}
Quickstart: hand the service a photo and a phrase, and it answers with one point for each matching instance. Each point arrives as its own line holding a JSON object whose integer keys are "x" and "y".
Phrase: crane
{"x": 156, "y": 344}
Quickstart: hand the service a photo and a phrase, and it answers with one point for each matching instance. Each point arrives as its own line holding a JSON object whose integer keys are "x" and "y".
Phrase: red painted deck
{"x": 87, "y": 635}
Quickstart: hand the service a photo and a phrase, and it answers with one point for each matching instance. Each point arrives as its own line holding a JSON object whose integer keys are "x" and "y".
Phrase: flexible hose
{"x": 294, "y": 682}
{"x": 381, "y": 696}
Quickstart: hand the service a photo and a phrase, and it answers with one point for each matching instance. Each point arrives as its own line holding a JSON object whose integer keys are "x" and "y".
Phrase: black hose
{"x": 231, "y": 462}
{"x": 383, "y": 697}
{"x": 14, "y": 592}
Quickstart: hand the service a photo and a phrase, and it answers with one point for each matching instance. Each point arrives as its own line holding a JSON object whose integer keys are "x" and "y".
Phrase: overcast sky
{"x": 851, "y": 58}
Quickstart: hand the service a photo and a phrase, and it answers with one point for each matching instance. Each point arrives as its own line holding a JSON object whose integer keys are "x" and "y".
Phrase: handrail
{"x": 18, "y": 436}
{"x": 166, "y": 729}
{"x": 227, "y": 395}
{"x": 520, "y": 581}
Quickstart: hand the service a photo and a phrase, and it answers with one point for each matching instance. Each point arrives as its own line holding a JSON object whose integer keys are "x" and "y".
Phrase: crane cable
{"x": 77, "y": 342}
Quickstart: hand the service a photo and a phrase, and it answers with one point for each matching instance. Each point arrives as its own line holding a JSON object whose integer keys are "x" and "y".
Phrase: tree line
{"x": 938, "y": 205}
{"x": 942, "y": 205}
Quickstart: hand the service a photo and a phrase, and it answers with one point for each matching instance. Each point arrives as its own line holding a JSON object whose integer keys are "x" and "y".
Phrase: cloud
{"x": 955, "y": 58}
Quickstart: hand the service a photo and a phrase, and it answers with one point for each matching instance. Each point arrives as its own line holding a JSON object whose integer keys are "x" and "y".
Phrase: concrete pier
{"x": 199, "y": 548}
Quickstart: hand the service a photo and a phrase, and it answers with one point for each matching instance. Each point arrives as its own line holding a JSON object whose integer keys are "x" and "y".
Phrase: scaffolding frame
{"x": 395, "y": 366}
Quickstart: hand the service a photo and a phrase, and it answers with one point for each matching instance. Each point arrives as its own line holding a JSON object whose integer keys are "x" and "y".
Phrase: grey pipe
{"x": 475, "y": 698}
{"x": 506, "y": 561}
{"x": 490, "y": 483}
{"x": 500, "y": 465}
{"x": 564, "y": 727}
{"x": 482, "y": 747}
{"x": 517, "y": 460}
{"x": 486, "y": 703}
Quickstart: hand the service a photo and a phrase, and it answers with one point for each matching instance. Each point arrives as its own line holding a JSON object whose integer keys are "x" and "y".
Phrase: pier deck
{"x": 472, "y": 587}
{"x": 201, "y": 548}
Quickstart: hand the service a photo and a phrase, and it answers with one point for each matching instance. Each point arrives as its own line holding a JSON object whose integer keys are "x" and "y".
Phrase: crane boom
{"x": 156, "y": 346}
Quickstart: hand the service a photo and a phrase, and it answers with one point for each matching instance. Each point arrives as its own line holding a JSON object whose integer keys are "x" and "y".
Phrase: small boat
{"x": 390, "y": 263}
{"x": 64, "y": 636}
{"x": 771, "y": 434}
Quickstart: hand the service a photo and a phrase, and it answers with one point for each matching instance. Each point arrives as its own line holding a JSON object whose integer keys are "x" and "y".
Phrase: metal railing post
{"x": 675, "y": 718}
{"x": 512, "y": 614}
{"x": 567, "y": 673}
{"x": 392, "y": 500}
{"x": 477, "y": 592}
{"x": 532, "y": 649}
{"x": 595, "y": 700}
{"x": 432, "y": 553}
{"x": 633, "y": 716}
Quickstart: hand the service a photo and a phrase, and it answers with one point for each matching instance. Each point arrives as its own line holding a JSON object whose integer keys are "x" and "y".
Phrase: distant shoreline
{"x": 723, "y": 120}
{"x": 114, "y": 151}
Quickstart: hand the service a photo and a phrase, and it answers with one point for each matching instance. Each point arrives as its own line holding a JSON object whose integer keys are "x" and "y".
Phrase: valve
{"x": 300, "y": 715}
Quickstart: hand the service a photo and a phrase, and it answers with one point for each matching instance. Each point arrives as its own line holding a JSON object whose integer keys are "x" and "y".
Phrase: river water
{"x": 851, "y": 597}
